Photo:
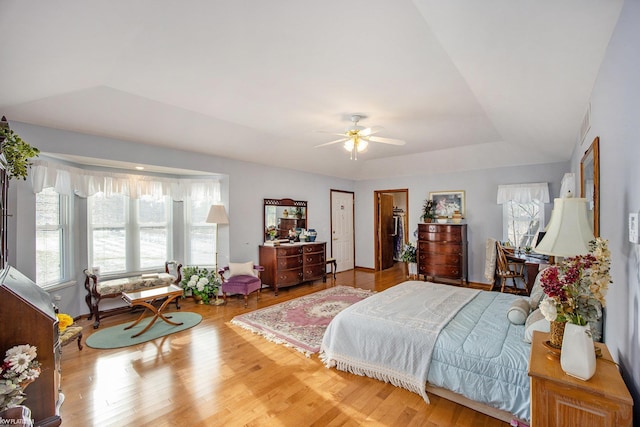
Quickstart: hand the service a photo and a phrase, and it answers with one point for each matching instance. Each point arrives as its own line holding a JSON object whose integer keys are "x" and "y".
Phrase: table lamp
{"x": 569, "y": 232}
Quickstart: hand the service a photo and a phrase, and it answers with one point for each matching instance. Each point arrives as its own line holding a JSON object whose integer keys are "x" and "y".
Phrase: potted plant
{"x": 428, "y": 211}
{"x": 409, "y": 256}
{"x": 201, "y": 282}
{"x": 15, "y": 153}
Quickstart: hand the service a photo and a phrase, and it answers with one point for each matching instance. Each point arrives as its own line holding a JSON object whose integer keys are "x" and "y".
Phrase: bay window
{"x": 52, "y": 238}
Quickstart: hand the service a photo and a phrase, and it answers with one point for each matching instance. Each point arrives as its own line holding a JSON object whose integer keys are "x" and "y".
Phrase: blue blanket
{"x": 483, "y": 357}
{"x": 477, "y": 352}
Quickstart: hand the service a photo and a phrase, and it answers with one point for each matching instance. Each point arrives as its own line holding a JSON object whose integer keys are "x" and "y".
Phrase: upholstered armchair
{"x": 241, "y": 278}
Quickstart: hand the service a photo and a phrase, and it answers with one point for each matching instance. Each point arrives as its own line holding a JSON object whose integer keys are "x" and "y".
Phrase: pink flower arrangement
{"x": 576, "y": 289}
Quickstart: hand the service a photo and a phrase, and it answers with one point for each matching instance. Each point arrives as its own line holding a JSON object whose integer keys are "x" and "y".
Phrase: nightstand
{"x": 558, "y": 399}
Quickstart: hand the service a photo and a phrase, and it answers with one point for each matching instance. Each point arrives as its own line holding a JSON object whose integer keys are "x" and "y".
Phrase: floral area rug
{"x": 300, "y": 323}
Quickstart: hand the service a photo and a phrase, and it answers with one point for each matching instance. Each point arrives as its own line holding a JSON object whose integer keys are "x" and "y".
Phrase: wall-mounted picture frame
{"x": 590, "y": 183}
{"x": 447, "y": 202}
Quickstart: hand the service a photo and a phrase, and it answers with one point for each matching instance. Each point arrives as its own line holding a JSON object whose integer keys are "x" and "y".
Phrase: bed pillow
{"x": 241, "y": 269}
{"x": 518, "y": 311}
{"x": 536, "y": 292}
{"x": 535, "y": 322}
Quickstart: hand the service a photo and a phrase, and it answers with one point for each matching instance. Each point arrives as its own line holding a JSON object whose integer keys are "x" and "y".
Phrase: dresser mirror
{"x": 282, "y": 215}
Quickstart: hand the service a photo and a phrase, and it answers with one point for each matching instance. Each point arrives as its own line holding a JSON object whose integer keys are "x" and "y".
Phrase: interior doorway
{"x": 391, "y": 223}
{"x": 342, "y": 229}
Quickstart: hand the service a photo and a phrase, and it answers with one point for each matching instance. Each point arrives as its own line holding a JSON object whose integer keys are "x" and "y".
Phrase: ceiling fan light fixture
{"x": 360, "y": 146}
{"x": 348, "y": 144}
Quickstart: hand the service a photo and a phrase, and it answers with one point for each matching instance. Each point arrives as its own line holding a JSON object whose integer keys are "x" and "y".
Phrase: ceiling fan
{"x": 356, "y": 138}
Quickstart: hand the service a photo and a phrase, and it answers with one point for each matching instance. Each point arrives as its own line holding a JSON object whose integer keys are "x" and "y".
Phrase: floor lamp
{"x": 217, "y": 215}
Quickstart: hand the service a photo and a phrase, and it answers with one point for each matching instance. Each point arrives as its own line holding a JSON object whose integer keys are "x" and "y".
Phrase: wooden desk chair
{"x": 509, "y": 269}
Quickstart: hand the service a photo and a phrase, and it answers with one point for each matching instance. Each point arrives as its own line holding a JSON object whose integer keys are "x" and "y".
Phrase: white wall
{"x": 482, "y": 214}
{"x": 615, "y": 113}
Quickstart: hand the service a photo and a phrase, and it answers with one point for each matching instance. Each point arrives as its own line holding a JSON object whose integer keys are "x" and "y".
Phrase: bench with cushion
{"x": 97, "y": 290}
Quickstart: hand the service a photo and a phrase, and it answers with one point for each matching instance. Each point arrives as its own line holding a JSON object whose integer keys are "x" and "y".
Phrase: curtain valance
{"x": 70, "y": 180}
{"x": 523, "y": 193}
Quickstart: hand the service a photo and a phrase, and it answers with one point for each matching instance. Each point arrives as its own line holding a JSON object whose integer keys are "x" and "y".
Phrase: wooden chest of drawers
{"x": 442, "y": 252}
{"x": 291, "y": 264}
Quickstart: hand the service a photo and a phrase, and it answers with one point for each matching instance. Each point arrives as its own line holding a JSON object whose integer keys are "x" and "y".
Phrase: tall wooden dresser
{"x": 27, "y": 316}
{"x": 442, "y": 252}
{"x": 291, "y": 264}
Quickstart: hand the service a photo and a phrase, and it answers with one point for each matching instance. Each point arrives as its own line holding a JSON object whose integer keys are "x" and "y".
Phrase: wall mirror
{"x": 590, "y": 183}
{"x": 282, "y": 215}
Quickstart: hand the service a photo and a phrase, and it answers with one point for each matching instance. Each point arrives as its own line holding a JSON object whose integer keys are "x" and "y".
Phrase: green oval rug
{"x": 116, "y": 336}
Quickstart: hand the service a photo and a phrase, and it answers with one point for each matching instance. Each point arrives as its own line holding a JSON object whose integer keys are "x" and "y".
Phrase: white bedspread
{"x": 410, "y": 327}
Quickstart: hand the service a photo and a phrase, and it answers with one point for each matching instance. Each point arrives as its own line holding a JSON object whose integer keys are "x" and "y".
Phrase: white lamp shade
{"x": 569, "y": 232}
{"x": 217, "y": 215}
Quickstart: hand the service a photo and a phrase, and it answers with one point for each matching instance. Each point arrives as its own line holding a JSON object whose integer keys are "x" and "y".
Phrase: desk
{"x": 531, "y": 265}
{"x": 145, "y": 299}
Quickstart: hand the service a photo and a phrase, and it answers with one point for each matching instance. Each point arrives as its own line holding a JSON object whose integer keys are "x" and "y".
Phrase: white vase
{"x": 413, "y": 268}
{"x": 578, "y": 357}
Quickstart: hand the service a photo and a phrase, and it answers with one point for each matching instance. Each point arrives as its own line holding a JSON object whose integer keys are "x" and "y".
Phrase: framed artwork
{"x": 590, "y": 183}
{"x": 447, "y": 202}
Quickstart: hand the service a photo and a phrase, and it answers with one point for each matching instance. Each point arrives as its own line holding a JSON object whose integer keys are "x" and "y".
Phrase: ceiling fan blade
{"x": 330, "y": 132}
{"x": 332, "y": 142}
{"x": 386, "y": 140}
{"x": 370, "y": 131}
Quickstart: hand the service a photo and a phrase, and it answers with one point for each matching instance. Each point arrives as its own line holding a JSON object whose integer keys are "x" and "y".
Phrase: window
{"x": 200, "y": 236}
{"x": 128, "y": 234}
{"x": 522, "y": 220}
{"x": 523, "y": 211}
{"x": 52, "y": 238}
{"x": 153, "y": 231}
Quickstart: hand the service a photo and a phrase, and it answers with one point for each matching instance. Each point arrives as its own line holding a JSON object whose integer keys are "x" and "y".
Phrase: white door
{"x": 342, "y": 236}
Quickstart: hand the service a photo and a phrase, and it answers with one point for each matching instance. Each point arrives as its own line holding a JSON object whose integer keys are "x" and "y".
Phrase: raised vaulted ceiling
{"x": 465, "y": 83}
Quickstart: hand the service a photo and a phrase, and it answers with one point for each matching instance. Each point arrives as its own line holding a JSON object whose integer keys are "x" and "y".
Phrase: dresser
{"x": 558, "y": 399}
{"x": 442, "y": 252}
{"x": 292, "y": 263}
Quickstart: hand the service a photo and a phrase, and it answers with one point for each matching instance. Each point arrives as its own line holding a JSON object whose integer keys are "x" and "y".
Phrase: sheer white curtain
{"x": 70, "y": 180}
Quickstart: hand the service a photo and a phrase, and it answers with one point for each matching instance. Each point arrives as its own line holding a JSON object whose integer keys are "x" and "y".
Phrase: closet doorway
{"x": 391, "y": 223}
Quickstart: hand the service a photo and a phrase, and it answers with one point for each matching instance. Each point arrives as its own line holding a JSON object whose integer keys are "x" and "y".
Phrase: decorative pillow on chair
{"x": 535, "y": 322}
{"x": 536, "y": 292}
{"x": 518, "y": 311}
{"x": 241, "y": 269}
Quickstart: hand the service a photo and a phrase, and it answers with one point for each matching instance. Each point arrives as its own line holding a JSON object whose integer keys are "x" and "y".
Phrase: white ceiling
{"x": 464, "y": 82}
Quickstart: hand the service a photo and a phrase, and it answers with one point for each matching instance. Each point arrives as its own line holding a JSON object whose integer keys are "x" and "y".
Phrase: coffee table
{"x": 145, "y": 298}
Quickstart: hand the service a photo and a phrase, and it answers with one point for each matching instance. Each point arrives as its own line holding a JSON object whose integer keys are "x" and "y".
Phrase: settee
{"x": 98, "y": 290}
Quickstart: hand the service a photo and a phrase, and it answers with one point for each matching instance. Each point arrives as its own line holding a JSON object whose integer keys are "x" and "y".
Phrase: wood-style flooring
{"x": 217, "y": 374}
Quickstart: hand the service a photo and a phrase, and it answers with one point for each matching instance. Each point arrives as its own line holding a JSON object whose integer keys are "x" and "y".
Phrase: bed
{"x": 451, "y": 341}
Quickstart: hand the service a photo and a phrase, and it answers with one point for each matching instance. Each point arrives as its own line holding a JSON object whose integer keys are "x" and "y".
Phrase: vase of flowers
{"x": 272, "y": 232}
{"x": 409, "y": 256}
{"x": 575, "y": 293}
{"x": 19, "y": 369}
{"x": 201, "y": 282}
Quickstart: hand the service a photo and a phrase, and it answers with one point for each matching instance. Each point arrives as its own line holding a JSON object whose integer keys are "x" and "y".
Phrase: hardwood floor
{"x": 217, "y": 374}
